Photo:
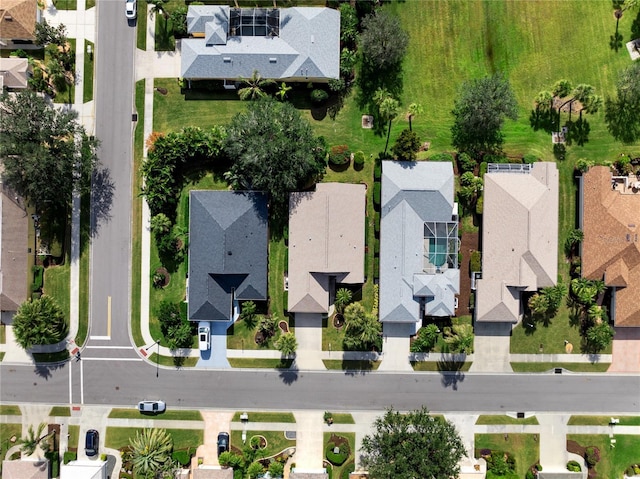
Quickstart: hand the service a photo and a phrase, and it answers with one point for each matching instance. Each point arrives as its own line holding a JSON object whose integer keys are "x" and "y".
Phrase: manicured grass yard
{"x": 9, "y": 410}
{"x": 544, "y": 367}
{"x": 118, "y": 437}
{"x": 171, "y": 361}
{"x": 498, "y": 419}
{"x": 351, "y": 365}
{"x": 74, "y": 436}
{"x": 57, "y": 281}
{"x": 173, "y": 414}
{"x": 603, "y": 420}
{"x": 276, "y": 442}
{"x": 613, "y": 461}
{"x": 523, "y": 447}
{"x": 7, "y": 431}
{"x": 338, "y": 471}
{"x": 87, "y": 93}
{"x": 64, "y": 411}
{"x": 3, "y": 334}
{"x": 260, "y": 363}
{"x": 267, "y": 417}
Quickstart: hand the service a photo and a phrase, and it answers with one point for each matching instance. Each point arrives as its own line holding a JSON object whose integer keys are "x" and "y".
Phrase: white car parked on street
{"x": 131, "y": 9}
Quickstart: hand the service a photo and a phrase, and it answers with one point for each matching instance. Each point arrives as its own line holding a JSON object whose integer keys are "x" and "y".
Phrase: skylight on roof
{"x": 254, "y": 22}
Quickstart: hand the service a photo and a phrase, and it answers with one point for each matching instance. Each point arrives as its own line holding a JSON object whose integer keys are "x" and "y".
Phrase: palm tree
{"x": 248, "y": 313}
{"x": 151, "y": 452}
{"x": 282, "y": 92}
{"x": 343, "y": 297}
{"x": 255, "y": 87}
{"x": 287, "y": 344}
{"x": 29, "y": 444}
{"x": 574, "y": 238}
{"x": 460, "y": 339}
{"x": 538, "y": 304}
{"x": 388, "y": 108}
{"x": 160, "y": 224}
{"x": 415, "y": 109}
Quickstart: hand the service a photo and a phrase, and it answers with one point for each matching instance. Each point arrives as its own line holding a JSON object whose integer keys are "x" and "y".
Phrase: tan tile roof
{"x": 519, "y": 239}
{"x": 17, "y": 19}
{"x": 13, "y": 257}
{"x": 13, "y": 72}
{"x": 326, "y": 238}
{"x": 25, "y": 469}
{"x": 611, "y": 245}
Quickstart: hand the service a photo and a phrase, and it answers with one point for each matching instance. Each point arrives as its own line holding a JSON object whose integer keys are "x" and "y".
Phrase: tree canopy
{"x": 45, "y": 152}
{"x": 273, "y": 149}
{"x": 39, "y": 321}
{"x": 479, "y": 114}
{"x": 383, "y": 42}
{"x": 621, "y": 115}
{"x": 412, "y": 445}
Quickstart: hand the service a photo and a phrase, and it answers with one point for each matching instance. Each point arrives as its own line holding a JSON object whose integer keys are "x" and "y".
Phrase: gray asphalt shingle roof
{"x": 412, "y": 194}
{"x": 307, "y": 48}
{"x": 227, "y": 252}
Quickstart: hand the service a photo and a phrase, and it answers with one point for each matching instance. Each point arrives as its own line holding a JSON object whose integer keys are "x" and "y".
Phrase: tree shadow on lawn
{"x": 635, "y": 28}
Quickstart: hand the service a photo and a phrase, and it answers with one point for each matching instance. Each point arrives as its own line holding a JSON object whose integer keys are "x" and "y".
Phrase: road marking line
{"x": 109, "y": 316}
{"x": 81, "y": 383}
{"x": 108, "y": 347}
{"x": 100, "y": 338}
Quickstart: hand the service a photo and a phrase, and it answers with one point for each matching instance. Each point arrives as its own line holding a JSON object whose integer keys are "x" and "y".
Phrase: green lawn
{"x": 523, "y": 447}
{"x": 141, "y": 25}
{"x": 498, "y": 419}
{"x": 85, "y": 240}
{"x": 118, "y": 437}
{"x": 89, "y": 4}
{"x": 613, "y": 461}
{"x": 276, "y": 442}
{"x": 172, "y": 414}
{"x": 173, "y": 361}
{"x": 267, "y": 417}
{"x": 87, "y": 89}
{"x": 74, "y": 436}
{"x": 7, "y": 431}
{"x": 260, "y": 363}
{"x": 3, "y": 334}
{"x": 63, "y": 411}
{"x": 68, "y": 94}
{"x": 66, "y": 4}
{"x": 603, "y": 420}
{"x": 342, "y": 418}
{"x": 9, "y": 410}
{"x": 136, "y": 217}
{"x": 277, "y": 267}
{"x": 544, "y": 367}
{"x": 57, "y": 281}
{"x": 351, "y": 365}
{"x": 437, "y": 366}
{"x": 339, "y": 471}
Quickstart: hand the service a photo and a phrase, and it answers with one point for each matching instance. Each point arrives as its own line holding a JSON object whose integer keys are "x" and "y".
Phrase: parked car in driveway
{"x": 152, "y": 406}
{"x": 131, "y": 9}
{"x": 223, "y": 442}
{"x": 204, "y": 338}
{"x": 91, "y": 442}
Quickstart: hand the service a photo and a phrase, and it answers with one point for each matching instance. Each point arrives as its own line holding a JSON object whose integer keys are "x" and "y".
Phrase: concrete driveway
{"x": 626, "y": 351}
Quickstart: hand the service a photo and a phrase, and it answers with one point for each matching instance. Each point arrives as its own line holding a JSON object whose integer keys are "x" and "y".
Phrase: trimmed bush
{"x": 529, "y": 475}
{"x": 339, "y": 155}
{"x": 335, "y": 459}
{"x": 441, "y": 157}
{"x": 592, "y": 455}
{"x": 466, "y": 163}
{"x": 69, "y": 456}
{"x": 494, "y": 158}
{"x": 480, "y": 205}
{"x": 376, "y": 195}
{"x": 358, "y": 159}
{"x": 574, "y": 466}
{"x": 529, "y": 158}
{"x": 483, "y": 168}
{"x": 182, "y": 457}
{"x": 475, "y": 262}
{"x": 377, "y": 172}
{"x": 319, "y": 96}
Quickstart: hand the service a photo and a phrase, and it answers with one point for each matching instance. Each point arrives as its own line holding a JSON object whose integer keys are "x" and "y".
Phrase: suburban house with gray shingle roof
{"x": 289, "y": 44}
{"x": 227, "y": 252}
{"x": 610, "y": 220}
{"x": 419, "y": 243}
{"x": 519, "y": 238}
{"x": 326, "y": 244}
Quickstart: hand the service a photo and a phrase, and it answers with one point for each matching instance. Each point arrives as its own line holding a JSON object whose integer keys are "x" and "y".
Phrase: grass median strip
{"x": 61, "y": 411}
{"x": 489, "y": 419}
{"x": 171, "y": 414}
{"x": 603, "y": 420}
{"x": 118, "y": 437}
{"x": 9, "y": 410}
{"x": 547, "y": 367}
{"x": 267, "y": 417}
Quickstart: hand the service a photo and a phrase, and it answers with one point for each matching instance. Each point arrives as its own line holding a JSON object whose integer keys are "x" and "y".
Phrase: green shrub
{"x": 483, "y": 168}
{"x": 181, "y": 457}
{"x": 574, "y": 466}
{"x": 529, "y": 475}
{"x": 335, "y": 459}
{"x": 69, "y": 456}
{"x": 441, "y": 157}
{"x": 54, "y": 460}
{"x": 377, "y": 172}
{"x": 494, "y": 158}
{"x": 348, "y": 469}
{"x": 559, "y": 151}
{"x": 358, "y": 159}
{"x": 406, "y": 146}
{"x": 276, "y": 469}
{"x": 319, "y": 96}
{"x": 479, "y": 204}
{"x": 376, "y": 268}
{"x": 592, "y": 455}
{"x": 337, "y": 85}
{"x": 466, "y": 163}
{"x": 38, "y": 272}
{"x": 376, "y": 224}
{"x": 475, "y": 261}
{"x": 376, "y": 195}
{"x": 339, "y": 155}
{"x": 529, "y": 158}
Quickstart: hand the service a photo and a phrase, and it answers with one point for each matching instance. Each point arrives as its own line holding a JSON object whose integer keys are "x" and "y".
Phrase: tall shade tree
{"x": 383, "y": 42}
{"x": 46, "y": 153}
{"x": 413, "y": 445}
{"x": 151, "y": 452}
{"x": 621, "y": 112}
{"x": 479, "y": 114}
{"x": 39, "y": 321}
{"x": 274, "y": 149}
{"x": 254, "y": 89}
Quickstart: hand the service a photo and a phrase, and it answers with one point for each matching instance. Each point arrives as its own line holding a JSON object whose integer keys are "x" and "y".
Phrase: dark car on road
{"x": 91, "y": 442}
{"x": 223, "y": 442}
